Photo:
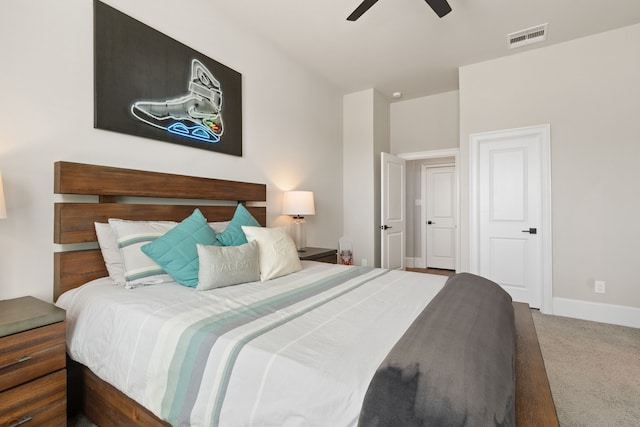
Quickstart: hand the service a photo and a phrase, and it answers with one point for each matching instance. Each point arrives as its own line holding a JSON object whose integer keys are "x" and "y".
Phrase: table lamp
{"x": 299, "y": 204}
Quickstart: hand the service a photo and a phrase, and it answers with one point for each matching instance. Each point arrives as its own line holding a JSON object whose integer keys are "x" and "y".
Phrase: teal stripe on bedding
{"x": 233, "y": 356}
{"x": 196, "y": 342}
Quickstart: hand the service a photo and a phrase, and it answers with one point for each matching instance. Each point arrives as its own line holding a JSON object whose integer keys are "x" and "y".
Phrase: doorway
{"x": 414, "y": 200}
{"x": 438, "y": 216}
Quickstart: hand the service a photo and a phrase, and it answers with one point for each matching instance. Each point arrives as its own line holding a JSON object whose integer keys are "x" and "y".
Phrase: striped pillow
{"x": 110, "y": 252}
{"x": 139, "y": 269}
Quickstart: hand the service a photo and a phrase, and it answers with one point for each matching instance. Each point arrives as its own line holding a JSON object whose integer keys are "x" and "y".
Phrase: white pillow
{"x": 219, "y": 227}
{"x": 139, "y": 269}
{"x": 278, "y": 253}
{"x": 227, "y": 265}
{"x": 110, "y": 252}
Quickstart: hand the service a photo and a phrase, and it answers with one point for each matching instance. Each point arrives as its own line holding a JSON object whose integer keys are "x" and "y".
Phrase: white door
{"x": 511, "y": 211}
{"x": 393, "y": 215}
{"x": 440, "y": 223}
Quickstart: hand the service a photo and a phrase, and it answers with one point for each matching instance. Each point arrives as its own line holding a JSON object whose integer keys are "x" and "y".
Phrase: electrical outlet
{"x": 364, "y": 262}
{"x": 599, "y": 286}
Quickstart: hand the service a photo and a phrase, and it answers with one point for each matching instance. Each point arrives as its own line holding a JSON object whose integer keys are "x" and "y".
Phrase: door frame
{"x": 423, "y": 210}
{"x": 441, "y": 154}
{"x": 543, "y": 132}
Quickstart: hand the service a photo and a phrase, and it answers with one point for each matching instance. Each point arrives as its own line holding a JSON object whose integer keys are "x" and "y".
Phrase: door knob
{"x": 430, "y": 222}
{"x": 384, "y": 227}
{"x": 531, "y": 231}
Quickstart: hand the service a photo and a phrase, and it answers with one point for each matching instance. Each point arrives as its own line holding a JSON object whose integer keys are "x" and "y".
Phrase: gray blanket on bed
{"x": 454, "y": 366}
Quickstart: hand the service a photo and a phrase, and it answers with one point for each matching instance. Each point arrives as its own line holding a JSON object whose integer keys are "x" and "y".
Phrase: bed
{"x": 362, "y": 394}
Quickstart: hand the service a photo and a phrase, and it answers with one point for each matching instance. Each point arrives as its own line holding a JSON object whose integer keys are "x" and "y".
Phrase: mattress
{"x": 299, "y": 350}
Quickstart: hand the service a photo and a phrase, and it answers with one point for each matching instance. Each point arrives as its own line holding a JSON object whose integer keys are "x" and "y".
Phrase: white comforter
{"x": 226, "y": 357}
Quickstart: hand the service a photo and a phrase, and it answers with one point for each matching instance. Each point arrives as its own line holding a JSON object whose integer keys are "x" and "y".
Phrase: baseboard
{"x": 597, "y": 312}
{"x": 413, "y": 262}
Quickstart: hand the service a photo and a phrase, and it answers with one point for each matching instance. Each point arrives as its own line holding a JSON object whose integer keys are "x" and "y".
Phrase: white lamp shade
{"x": 3, "y": 207}
{"x": 298, "y": 203}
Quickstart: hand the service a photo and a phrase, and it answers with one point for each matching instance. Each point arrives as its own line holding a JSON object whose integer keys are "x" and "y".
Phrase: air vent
{"x": 530, "y": 35}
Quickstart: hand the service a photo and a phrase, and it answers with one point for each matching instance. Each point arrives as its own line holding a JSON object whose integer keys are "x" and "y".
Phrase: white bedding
{"x": 302, "y": 363}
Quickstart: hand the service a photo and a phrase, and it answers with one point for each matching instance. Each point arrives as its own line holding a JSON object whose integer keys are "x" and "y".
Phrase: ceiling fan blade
{"x": 440, "y": 7}
{"x": 364, "y": 6}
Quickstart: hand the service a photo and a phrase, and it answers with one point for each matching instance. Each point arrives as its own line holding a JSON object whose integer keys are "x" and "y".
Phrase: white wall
{"x": 365, "y": 135}
{"x": 292, "y": 124}
{"x": 381, "y": 143}
{"x": 357, "y": 158}
{"x": 589, "y": 91}
{"x": 425, "y": 124}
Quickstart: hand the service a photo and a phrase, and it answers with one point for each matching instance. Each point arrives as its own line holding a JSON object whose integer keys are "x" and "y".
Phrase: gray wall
{"x": 588, "y": 90}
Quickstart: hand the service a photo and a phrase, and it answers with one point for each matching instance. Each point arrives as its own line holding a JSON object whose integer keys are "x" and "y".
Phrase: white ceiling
{"x": 401, "y": 45}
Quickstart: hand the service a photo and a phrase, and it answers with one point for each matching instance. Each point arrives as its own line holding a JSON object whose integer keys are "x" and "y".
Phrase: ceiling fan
{"x": 440, "y": 7}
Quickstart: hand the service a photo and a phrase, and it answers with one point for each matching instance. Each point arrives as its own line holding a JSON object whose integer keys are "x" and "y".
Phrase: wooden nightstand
{"x": 33, "y": 375}
{"x": 319, "y": 254}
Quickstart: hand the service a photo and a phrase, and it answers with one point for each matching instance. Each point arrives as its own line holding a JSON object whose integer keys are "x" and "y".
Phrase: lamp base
{"x": 299, "y": 233}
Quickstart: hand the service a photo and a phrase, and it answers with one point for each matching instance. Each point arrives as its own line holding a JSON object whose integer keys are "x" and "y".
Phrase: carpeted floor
{"x": 593, "y": 370}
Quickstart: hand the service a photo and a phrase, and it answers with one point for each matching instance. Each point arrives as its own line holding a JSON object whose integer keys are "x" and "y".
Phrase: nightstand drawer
{"x": 42, "y": 402}
{"x": 31, "y": 354}
{"x": 319, "y": 254}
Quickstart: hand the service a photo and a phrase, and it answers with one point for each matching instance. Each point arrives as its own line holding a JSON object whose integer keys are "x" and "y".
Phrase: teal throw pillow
{"x": 233, "y": 234}
{"x": 176, "y": 250}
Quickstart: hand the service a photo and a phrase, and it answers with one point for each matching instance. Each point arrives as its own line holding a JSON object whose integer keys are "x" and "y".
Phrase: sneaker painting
{"x": 149, "y": 85}
{"x": 196, "y": 115}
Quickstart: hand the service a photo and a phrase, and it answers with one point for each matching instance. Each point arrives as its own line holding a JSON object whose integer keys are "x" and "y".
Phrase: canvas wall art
{"x": 149, "y": 85}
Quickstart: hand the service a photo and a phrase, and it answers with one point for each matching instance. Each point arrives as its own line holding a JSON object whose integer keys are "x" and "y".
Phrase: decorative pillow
{"x": 227, "y": 265}
{"x": 219, "y": 227}
{"x": 176, "y": 251}
{"x": 233, "y": 235}
{"x": 110, "y": 252}
{"x": 139, "y": 269}
{"x": 278, "y": 253}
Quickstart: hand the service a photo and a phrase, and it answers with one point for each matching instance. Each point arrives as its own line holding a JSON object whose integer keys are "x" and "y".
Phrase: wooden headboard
{"x": 74, "y": 222}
